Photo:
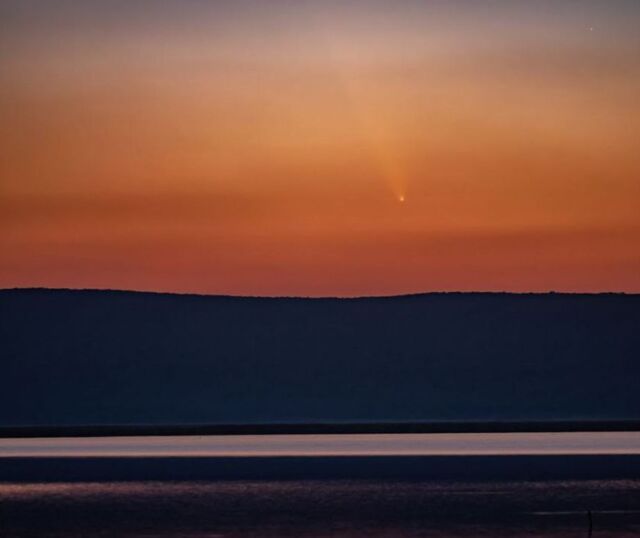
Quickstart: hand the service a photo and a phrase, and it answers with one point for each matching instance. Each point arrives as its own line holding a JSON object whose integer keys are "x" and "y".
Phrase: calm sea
{"x": 319, "y": 507}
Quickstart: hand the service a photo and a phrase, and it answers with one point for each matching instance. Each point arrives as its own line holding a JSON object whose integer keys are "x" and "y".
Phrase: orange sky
{"x": 229, "y": 148}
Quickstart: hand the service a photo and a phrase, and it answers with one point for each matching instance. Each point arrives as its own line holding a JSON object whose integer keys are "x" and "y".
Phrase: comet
{"x": 368, "y": 105}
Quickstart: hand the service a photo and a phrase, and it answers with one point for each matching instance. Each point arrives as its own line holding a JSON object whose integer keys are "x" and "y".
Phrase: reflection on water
{"x": 337, "y": 509}
{"x": 421, "y": 444}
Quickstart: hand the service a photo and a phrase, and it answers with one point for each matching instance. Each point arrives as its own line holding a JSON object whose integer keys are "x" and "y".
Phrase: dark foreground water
{"x": 320, "y": 508}
{"x": 404, "y": 486}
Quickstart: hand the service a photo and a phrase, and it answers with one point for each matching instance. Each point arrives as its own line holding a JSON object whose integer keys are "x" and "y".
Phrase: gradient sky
{"x": 320, "y": 147}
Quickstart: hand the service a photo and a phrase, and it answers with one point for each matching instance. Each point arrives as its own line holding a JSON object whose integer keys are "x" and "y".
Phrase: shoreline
{"x": 122, "y": 430}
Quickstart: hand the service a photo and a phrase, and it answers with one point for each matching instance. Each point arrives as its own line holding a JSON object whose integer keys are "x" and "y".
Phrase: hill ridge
{"x": 93, "y": 357}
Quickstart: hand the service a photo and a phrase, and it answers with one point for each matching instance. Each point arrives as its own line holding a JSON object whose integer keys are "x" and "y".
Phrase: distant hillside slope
{"x": 98, "y": 357}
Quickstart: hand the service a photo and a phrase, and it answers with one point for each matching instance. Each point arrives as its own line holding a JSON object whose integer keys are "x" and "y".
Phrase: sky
{"x": 320, "y": 148}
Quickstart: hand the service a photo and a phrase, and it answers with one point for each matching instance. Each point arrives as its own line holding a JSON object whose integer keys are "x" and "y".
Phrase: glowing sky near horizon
{"x": 320, "y": 147}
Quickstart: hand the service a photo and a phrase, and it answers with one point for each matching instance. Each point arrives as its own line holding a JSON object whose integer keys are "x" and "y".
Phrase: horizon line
{"x": 317, "y": 297}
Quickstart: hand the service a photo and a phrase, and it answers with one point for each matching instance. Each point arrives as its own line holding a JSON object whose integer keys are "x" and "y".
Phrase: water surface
{"x": 322, "y": 486}
{"x": 340, "y": 509}
{"x": 429, "y": 444}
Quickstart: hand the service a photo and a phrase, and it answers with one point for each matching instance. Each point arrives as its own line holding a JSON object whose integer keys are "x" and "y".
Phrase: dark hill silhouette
{"x": 103, "y": 357}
